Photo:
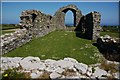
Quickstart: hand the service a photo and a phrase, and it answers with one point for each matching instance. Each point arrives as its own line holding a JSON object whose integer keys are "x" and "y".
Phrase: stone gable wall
{"x": 60, "y": 16}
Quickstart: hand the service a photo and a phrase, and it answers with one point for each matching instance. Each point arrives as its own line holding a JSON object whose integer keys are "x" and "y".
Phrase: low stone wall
{"x": 68, "y": 68}
{"x": 10, "y": 41}
{"x": 109, "y": 47}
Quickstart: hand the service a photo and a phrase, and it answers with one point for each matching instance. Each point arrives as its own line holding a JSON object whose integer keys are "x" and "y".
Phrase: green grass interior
{"x": 58, "y": 45}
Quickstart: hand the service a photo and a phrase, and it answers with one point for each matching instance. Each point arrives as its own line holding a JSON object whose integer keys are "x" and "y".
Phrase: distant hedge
{"x": 8, "y": 26}
{"x": 111, "y": 28}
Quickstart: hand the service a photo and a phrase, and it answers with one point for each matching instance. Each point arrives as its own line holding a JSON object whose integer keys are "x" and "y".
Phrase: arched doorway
{"x": 69, "y": 19}
{"x": 73, "y": 12}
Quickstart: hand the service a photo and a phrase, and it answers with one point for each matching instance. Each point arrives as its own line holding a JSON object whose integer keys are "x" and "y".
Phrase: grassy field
{"x": 112, "y": 34}
{"x": 6, "y": 31}
{"x": 8, "y": 26}
{"x": 58, "y": 45}
{"x": 113, "y": 31}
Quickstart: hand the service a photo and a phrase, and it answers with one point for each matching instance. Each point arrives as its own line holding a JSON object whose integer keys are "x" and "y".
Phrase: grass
{"x": 8, "y": 26}
{"x": 58, "y": 45}
{"x": 5, "y": 31}
{"x": 11, "y": 74}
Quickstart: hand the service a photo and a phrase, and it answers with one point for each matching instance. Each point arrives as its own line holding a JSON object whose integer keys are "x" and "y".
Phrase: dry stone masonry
{"x": 89, "y": 25}
{"x": 60, "y": 16}
{"x": 68, "y": 68}
{"x": 109, "y": 47}
{"x": 37, "y": 24}
{"x": 13, "y": 40}
{"x": 40, "y": 24}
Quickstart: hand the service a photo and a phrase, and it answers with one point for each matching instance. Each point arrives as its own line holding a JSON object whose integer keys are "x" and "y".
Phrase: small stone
{"x": 13, "y": 65}
{"x": 101, "y": 37}
{"x": 34, "y": 75}
{"x": 32, "y": 65}
{"x": 59, "y": 70}
{"x": 89, "y": 71}
{"x": 26, "y": 71}
{"x": 81, "y": 48}
{"x": 99, "y": 72}
{"x": 42, "y": 55}
{"x": 72, "y": 77}
{"x": 17, "y": 59}
{"x": 64, "y": 64}
{"x": 51, "y": 68}
{"x": 50, "y": 61}
{"x": 30, "y": 58}
{"x": 107, "y": 36}
{"x": 81, "y": 67}
{"x": 39, "y": 65}
{"x": 71, "y": 60}
{"x": 73, "y": 49}
{"x": 63, "y": 77}
{"x": 2, "y": 44}
{"x": 84, "y": 77}
{"x": 54, "y": 75}
{"x": 114, "y": 41}
{"x": 65, "y": 34}
{"x": 117, "y": 75}
{"x": 2, "y": 36}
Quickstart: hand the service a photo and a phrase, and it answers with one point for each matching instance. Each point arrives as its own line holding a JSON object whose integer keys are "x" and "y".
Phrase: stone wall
{"x": 39, "y": 24}
{"x": 68, "y": 68}
{"x": 89, "y": 25}
{"x": 11, "y": 41}
{"x": 95, "y": 27}
{"x": 60, "y": 16}
{"x": 109, "y": 47}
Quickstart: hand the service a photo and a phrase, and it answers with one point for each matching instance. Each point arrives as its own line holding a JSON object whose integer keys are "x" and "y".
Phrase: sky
{"x": 109, "y": 10}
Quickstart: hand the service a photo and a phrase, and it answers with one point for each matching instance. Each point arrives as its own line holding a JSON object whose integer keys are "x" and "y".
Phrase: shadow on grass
{"x": 82, "y": 35}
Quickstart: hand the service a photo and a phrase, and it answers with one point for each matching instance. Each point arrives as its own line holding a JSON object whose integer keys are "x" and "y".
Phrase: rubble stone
{"x": 60, "y": 69}
{"x": 109, "y": 47}
{"x": 81, "y": 67}
{"x": 54, "y": 75}
{"x": 99, "y": 72}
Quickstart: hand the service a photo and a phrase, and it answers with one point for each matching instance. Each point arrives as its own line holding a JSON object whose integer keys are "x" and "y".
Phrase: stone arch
{"x": 60, "y": 16}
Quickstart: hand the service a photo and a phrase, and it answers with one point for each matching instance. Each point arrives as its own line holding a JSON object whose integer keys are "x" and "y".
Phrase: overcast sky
{"x": 109, "y": 10}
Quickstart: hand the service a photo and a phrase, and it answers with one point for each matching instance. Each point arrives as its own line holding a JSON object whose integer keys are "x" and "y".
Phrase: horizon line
{"x": 70, "y": 24}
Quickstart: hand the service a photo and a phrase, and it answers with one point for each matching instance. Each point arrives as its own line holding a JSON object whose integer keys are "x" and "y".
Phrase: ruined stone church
{"x": 40, "y": 24}
{"x": 37, "y": 24}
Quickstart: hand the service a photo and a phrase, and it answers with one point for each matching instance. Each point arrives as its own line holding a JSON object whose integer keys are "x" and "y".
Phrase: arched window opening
{"x": 69, "y": 19}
